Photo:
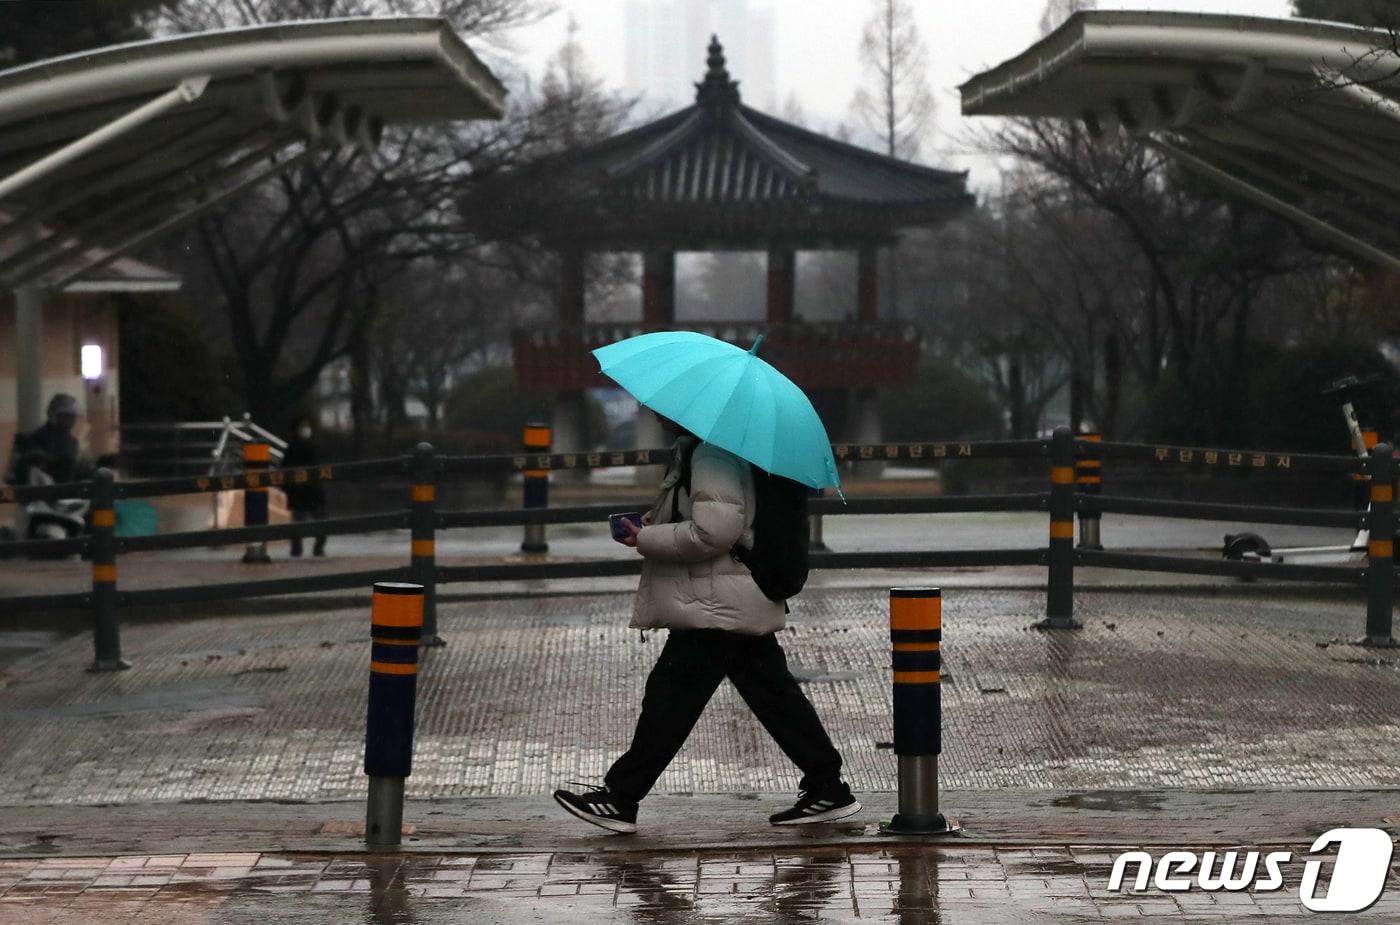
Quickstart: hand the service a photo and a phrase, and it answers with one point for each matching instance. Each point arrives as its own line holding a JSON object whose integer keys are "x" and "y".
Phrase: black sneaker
{"x": 826, "y": 805}
{"x": 601, "y": 808}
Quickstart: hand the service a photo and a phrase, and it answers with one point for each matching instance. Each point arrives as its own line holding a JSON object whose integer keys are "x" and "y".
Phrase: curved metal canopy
{"x": 1298, "y": 116}
{"x": 118, "y": 146}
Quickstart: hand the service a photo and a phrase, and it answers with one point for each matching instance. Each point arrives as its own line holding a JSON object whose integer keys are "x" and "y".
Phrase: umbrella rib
{"x": 698, "y": 393}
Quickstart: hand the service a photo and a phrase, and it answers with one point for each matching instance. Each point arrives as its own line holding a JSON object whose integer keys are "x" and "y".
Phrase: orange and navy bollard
{"x": 916, "y": 632}
{"x": 256, "y": 458}
{"x": 1380, "y": 565}
{"x": 106, "y": 630}
{"x": 1088, "y": 479}
{"x": 395, "y": 630}
{"x": 537, "y": 441}
{"x": 1059, "y": 592}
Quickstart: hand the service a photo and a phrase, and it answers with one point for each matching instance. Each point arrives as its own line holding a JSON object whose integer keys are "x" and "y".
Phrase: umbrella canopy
{"x": 727, "y": 396}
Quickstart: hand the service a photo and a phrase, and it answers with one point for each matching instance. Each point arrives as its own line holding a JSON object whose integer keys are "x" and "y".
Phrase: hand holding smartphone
{"x": 619, "y": 531}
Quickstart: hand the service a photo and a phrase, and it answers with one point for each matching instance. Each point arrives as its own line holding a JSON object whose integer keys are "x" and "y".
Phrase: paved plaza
{"x": 220, "y": 781}
{"x": 1158, "y": 690}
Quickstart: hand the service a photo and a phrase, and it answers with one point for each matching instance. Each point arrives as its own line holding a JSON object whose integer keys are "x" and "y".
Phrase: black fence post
{"x": 537, "y": 440}
{"x": 422, "y": 523}
{"x": 396, "y": 623}
{"x": 106, "y": 629}
{"x": 1088, "y": 479}
{"x": 256, "y": 459}
{"x": 1380, "y": 567}
{"x": 815, "y": 542}
{"x": 1059, "y": 596}
{"x": 916, "y": 635}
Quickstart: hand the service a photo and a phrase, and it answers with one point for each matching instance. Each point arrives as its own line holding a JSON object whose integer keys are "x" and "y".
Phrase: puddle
{"x": 1112, "y": 801}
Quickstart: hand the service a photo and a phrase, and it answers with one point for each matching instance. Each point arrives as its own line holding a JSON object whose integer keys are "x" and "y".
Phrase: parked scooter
{"x": 50, "y": 519}
{"x": 1251, "y": 547}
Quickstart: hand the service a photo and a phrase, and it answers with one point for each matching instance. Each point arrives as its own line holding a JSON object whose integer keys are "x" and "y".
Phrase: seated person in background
{"x": 51, "y": 447}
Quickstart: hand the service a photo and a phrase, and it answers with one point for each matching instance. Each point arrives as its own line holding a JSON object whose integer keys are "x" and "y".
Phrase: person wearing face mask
{"x": 306, "y": 500}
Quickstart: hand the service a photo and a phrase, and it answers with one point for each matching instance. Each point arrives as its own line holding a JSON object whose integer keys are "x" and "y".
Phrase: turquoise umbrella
{"x": 727, "y": 396}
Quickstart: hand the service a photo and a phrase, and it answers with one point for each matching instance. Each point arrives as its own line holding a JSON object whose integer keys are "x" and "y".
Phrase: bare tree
{"x": 296, "y": 268}
{"x": 454, "y": 311}
{"x": 896, "y": 103}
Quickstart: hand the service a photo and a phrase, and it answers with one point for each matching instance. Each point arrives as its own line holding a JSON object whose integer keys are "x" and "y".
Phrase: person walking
{"x": 306, "y": 500}
{"x": 721, "y": 625}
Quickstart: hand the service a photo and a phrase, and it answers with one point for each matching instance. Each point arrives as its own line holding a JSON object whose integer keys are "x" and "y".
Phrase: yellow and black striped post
{"x": 1088, "y": 480}
{"x": 1059, "y": 597}
{"x": 422, "y": 523}
{"x": 106, "y": 629}
{"x": 396, "y": 624}
{"x": 1362, "y": 495}
{"x": 256, "y": 459}
{"x": 1380, "y": 567}
{"x": 916, "y": 634}
{"x": 536, "y": 442}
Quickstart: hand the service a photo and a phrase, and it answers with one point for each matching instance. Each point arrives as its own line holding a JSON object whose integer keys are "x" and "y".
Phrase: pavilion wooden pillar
{"x": 864, "y": 409}
{"x": 570, "y": 416}
{"x": 658, "y": 313}
{"x": 867, "y": 282}
{"x": 782, "y": 284}
{"x": 658, "y": 289}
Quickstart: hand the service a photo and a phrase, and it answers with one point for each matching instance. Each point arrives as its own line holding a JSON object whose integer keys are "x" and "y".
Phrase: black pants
{"x": 691, "y": 666}
{"x": 316, "y": 511}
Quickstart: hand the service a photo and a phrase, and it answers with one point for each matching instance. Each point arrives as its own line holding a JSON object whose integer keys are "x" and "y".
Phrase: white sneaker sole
{"x": 612, "y": 825}
{"x": 831, "y": 815}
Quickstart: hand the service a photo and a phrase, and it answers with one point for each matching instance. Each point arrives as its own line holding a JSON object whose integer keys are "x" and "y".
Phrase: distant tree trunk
{"x": 1078, "y": 392}
{"x": 361, "y": 404}
{"x": 1112, "y": 384}
{"x": 1016, "y": 398}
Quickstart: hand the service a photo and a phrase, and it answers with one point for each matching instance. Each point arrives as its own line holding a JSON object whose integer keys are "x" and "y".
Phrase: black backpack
{"x": 781, "y": 532}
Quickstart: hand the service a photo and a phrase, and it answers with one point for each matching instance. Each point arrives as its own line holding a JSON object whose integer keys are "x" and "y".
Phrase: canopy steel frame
{"x": 1247, "y": 190}
{"x": 187, "y": 91}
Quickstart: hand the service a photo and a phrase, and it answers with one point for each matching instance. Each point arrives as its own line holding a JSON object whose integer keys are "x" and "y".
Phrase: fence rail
{"x": 424, "y": 470}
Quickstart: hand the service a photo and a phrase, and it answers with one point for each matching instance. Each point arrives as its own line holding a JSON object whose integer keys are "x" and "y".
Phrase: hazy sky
{"x": 815, "y": 51}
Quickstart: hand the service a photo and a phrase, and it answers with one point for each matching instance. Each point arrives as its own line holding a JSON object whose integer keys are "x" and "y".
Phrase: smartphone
{"x": 619, "y": 532}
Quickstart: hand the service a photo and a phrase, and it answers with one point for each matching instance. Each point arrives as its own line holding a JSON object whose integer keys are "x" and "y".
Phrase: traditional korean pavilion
{"x": 721, "y": 176}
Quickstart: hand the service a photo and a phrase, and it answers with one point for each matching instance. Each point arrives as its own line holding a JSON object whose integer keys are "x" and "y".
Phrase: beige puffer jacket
{"x": 689, "y": 579}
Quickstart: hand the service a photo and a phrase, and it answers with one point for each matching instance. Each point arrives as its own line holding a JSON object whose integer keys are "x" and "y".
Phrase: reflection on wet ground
{"x": 947, "y": 885}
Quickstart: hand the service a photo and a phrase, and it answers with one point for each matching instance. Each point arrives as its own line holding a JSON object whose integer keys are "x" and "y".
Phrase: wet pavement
{"x": 914, "y": 884}
{"x": 1163, "y": 723}
{"x": 1158, "y": 690}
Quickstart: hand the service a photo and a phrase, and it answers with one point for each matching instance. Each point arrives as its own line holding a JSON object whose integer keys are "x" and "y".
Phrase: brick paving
{"x": 949, "y": 885}
{"x": 1157, "y": 691}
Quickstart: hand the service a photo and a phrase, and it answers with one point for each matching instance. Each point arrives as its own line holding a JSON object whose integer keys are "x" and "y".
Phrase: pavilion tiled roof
{"x": 719, "y": 173}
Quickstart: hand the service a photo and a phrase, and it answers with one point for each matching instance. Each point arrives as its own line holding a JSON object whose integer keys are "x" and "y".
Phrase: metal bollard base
{"x": 1379, "y": 642}
{"x": 384, "y": 812}
{"x": 534, "y": 547}
{"x": 1058, "y": 623}
{"x": 910, "y": 824}
{"x": 256, "y": 554}
{"x": 108, "y": 664}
